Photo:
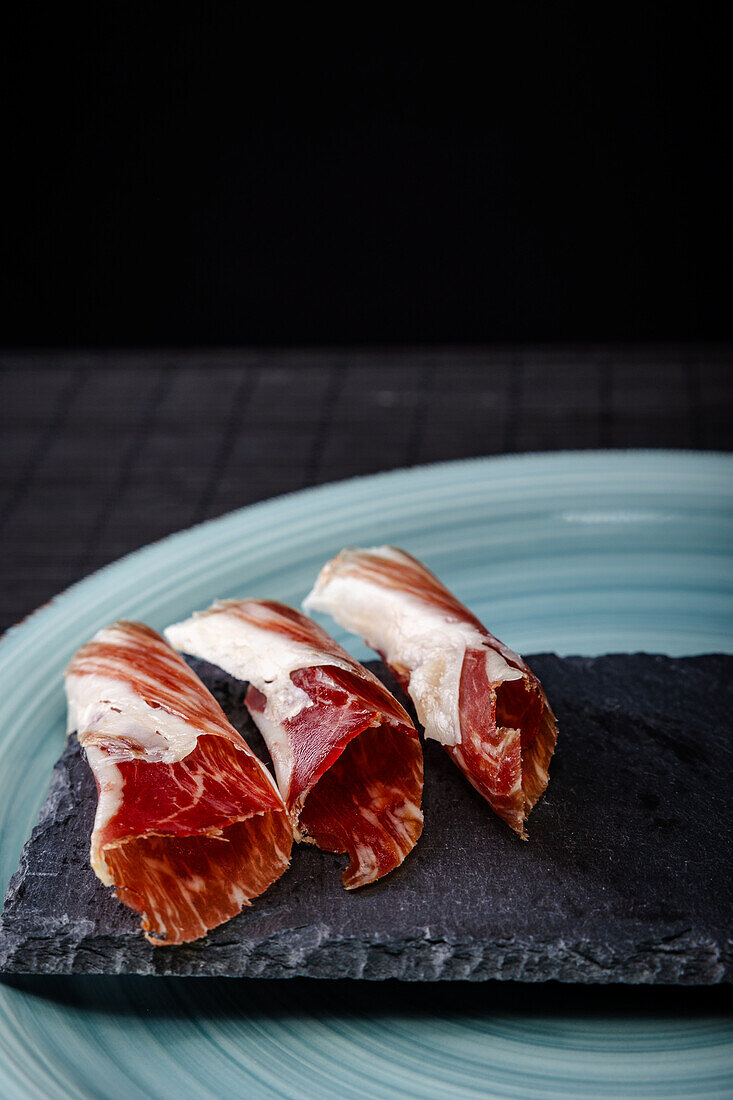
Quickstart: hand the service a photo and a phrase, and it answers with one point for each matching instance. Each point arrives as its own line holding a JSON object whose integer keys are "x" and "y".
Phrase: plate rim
{"x": 31, "y": 618}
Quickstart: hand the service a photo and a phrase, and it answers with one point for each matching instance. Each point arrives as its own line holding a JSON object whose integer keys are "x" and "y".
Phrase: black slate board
{"x": 626, "y": 877}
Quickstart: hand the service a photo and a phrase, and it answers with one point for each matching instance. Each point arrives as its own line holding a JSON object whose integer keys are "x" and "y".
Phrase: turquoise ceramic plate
{"x": 580, "y": 553}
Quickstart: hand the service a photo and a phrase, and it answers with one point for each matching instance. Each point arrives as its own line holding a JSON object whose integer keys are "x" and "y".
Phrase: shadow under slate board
{"x": 624, "y": 878}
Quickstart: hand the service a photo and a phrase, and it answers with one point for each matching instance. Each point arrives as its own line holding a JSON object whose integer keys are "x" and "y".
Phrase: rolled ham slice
{"x": 472, "y": 693}
{"x": 189, "y": 824}
{"x": 347, "y": 756}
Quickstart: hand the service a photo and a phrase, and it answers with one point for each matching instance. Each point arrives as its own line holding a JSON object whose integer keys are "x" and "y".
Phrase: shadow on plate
{"x": 132, "y": 995}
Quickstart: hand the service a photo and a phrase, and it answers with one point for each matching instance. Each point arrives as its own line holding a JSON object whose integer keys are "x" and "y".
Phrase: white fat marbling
{"x": 264, "y": 658}
{"x": 412, "y": 634}
{"x": 109, "y": 783}
{"x": 101, "y": 708}
{"x": 112, "y": 709}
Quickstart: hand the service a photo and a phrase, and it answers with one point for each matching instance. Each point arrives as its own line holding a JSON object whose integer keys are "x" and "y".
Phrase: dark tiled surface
{"x": 103, "y": 452}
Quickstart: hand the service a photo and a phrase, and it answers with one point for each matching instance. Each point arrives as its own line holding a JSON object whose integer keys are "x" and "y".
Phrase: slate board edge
{"x": 689, "y": 958}
{"x": 304, "y": 953}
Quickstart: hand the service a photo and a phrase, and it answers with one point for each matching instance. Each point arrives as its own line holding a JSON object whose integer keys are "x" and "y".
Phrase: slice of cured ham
{"x": 347, "y": 756}
{"x": 471, "y": 692}
{"x": 189, "y": 824}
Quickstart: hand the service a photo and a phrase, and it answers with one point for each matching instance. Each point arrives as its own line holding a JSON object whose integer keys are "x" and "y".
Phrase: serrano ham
{"x": 347, "y": 756}
{"x": 472, "y": 693}
{"x": 189, "y": 824}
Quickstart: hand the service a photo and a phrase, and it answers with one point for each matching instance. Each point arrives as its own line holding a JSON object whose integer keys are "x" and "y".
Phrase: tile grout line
{"x": 693, "y": 387}
{"x": 514, "y": 404}
{"x": 126, "y": 467}
{"x": 46, "y": 438}
{"x": 328, "y": 408}
{"x": 417, "y": 427}
{"x": 241, "y": 398}
{"x": 605, "y": 403}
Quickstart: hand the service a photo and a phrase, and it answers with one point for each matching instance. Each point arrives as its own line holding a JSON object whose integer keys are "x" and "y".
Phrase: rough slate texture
{"x": 626, "y": 877}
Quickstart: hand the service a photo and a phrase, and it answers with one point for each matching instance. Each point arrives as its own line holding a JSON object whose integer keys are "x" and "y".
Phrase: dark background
{"x": 201, "y": 179}
{"x": 240, "y": 259}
